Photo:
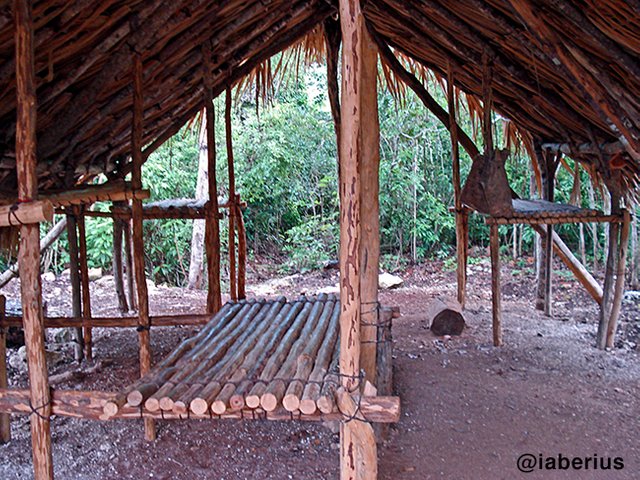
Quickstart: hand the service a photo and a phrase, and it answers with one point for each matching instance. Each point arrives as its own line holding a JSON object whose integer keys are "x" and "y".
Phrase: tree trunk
{"x": 197, "y": 236}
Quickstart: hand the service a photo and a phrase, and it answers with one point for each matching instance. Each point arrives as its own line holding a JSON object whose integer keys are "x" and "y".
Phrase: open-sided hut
{"x": 94, "y": 87}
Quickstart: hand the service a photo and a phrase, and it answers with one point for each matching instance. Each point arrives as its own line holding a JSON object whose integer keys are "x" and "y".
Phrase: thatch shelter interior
{"x": 89, "y": 89}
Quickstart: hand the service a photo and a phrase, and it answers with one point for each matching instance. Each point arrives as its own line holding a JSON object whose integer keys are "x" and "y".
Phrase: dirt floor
{"x": 469, "y": 409}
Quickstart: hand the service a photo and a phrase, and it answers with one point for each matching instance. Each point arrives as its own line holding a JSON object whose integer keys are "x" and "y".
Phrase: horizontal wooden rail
{"x": 109, "y": 322}
{"x": 89, "y": 405}
{"x": 26, "y": 213}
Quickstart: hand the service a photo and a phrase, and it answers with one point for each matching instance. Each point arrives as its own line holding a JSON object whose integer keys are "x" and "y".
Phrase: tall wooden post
{"x": 494, "y": 242}
{"x": 138, "y": 241}
{"x": 461, "y": 215}
{"x": 232, "y": 198}
{"x": 212, "y": 227}
{"x": 74, "y": 278}
{"x": 84, "y": 280}
{"x": 128, "y": 241}
{"x": 356, "y": 142}
{"x": 29, "y": 252}
{"x": 5, "y": 418}
{"x": 116, "y": 261}
{"x": 618, "y": 291}
{"x": 242, "y": 250}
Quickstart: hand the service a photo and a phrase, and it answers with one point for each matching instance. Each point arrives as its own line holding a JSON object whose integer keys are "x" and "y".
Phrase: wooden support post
{"x": 461, "y": 216}
{"x": 84, "y": 280}
{"x": 212, "y": 226}
{"x": 618, "y": 291}
{"x": 369, "y": 163}
{"x": 29, "y": 251}
{"x": 138, "y": 241}
{"x": 116, "y": 261}
{"x": 232, "y": 198}
{"x": 5, "y": 418}
{"x": 128, "y": 241}
{"x": 74, "y": 278}
{"x": 242, "y": 251}
{"x": 358, "y": 63}
{"x": 494, "y": 240}
{"x": 548, "y": 268}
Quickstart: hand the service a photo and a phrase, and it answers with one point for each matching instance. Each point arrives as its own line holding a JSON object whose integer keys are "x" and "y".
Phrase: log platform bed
{"x": 254, "y": 360}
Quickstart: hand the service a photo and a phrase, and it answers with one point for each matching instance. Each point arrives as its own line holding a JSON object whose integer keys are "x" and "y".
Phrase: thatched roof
{"x": 565, "y": 72}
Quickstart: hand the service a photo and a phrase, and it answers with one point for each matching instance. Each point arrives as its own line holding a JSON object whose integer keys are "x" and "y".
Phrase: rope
{"x": 35, "y": 410}
{"x": 12, "y": 212}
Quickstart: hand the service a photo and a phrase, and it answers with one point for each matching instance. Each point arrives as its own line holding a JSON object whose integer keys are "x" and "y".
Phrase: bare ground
{"x": 469, "y": 409}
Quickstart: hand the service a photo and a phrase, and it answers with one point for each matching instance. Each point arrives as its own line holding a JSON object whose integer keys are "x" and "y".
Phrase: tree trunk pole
{"x": 494, "y": 241}
{"x": 138, "y": 241}
{"x": 212, "y": 230}
{"x": 29, "y": 251}
{"x": 461, "y": 239}
{"x": 198, "y": 234}
{"x": 5, "y": 418}
{"x": 128, "y": 241}
{"x": 242, "y": 251}
{"x": 118, "y": 231}
{"x": 232, "y": 199}
{"x": 619, "y": 285}
{"x": 356, "y": 141}
{"x": 74, "y": 278}
{"x": 84, "y": 280}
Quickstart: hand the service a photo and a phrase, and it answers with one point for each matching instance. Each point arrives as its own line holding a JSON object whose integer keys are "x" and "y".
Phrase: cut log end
{"x": 268, "y": 402}
{"x": 326, "y": 404}
{"x": 152, "y": 404}
{"x": 291, "y": 403}
{"x": 134, "y": 398}
{"x": 236, "y": 402}
{"x": 308, "y": 406}
{"x": 446, "y": 318}
{"x": 218, "y": 407}
{"x": 198, "y": 406}
{"x": 166, "y": 403}
{"x": 110, "y": 409}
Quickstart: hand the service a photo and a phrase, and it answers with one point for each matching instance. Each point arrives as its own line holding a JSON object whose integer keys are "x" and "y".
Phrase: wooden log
{"x": 114, "y": 191}
{"x": 212, "y": 227}
{"x": 138, "y": 241}
{"x": 331, "y": 382}
{"x": 26, "y": 213}
{"x": 242, "y": 251}
{"x": 235, "y": 370}
{"x": 253, "y": 398}
{"x": 384, "y": 383}
{"x": 288, "y": 314}
{"x": 494, "y": 240}
{"x": 211, "y": 349}
{"x": 445, "y": 317}
{"x": 232, "y": 198}
{"x": 5, "y": 418}
{"x": 76, "y": 287}
{"x": 133, "y": 304}
{"x": 29, "y": 250}
{"x": 299, "y": 361}
{"x": 548, "y": 279}
{"x": 90, "y": 404}
{"x": 219, "y": 372}
{"x": 116, "y": 262}
{"x": 618, "y": 291}
{"x": 362, "y": 458}
{"x": 305, "y": 400}
{"x": 113, "y": 322}
{"x": 461, "y": 240}
{"x": 84, "y": 280}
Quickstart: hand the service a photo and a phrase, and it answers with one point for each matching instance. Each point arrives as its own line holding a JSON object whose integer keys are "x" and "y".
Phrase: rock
{"x": 631, "y": 296}
{"x": 65, "y": 273}
{"x": 53, "y": 358}
{"x": 18, "y": 360}
{"x": 331, "y": 265}
{"x": 94, "y": 274}
{"x": 49, "y": 277}
{"x": 330, "y": 289}
{"x": 389, "y": 281}
{"x": 62, "y": 335}
{"x": 106, "y": 280}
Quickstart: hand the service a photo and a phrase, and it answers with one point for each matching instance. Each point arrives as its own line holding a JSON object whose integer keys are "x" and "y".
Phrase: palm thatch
{"x": 565, "y": 73}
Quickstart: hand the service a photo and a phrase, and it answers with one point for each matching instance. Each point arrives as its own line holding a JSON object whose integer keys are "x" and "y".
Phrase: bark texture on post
{"x": 232, "y": 199}
{"x": 118, "y": 280}
{"x": 358, "y": 62}
{"x": 212, "y": 230}
{"x": 495, "y": 285}
{"x": 74, "y": 278}
{"x": 461, "y": 216}
{"x": 5, "y": 418}
{"x": 84, "y": 280}
{"x": 29, "y": 251}
{"x": 138, "y": 241}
